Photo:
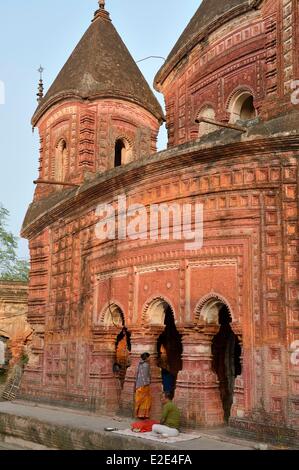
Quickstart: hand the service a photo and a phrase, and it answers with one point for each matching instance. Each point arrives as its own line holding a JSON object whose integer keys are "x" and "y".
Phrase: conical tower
{"x": 99, "y": 113}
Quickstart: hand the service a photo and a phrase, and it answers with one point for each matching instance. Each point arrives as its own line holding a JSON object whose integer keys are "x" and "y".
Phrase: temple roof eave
{"x": 73, "y": 95}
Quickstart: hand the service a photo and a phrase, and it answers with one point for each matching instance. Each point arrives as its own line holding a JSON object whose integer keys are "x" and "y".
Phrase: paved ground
{"x": 4, "y": 446}
{"x": 214, "y": 440}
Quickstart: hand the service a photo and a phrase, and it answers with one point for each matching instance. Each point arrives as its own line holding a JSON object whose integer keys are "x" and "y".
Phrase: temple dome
{"x": 209, "y": 15}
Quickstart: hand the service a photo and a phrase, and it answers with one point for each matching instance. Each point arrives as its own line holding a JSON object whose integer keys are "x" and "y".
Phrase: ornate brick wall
{"x": 90, "y": 133}
{"x": 255, "y": 52}
{"x": 250, "y": 213}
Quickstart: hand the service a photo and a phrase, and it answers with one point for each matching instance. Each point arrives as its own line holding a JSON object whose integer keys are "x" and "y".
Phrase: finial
{"x": 40, "y": 70}
{"x": 40, "y": 93}
{"x": 101, "y": 12}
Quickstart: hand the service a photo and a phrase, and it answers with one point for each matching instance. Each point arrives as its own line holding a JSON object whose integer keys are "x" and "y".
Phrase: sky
{"x": 35, "y": 32}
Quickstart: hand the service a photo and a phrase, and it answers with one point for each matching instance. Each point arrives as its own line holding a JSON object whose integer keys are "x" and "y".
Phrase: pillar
{"x": 105, "y": 386}
{"x": 197, "y": 393}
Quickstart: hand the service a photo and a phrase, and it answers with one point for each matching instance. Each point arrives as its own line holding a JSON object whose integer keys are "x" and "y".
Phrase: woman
{"x": 143, "y": 400}
{"x": 123, "y": 348}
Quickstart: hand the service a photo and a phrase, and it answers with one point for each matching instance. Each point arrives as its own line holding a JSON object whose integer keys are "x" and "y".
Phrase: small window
{"x": 60, "y": 160}
{"x": 120, "y": 150}
{"x": 123, "y": 152}
{"x": 247, "y": 110}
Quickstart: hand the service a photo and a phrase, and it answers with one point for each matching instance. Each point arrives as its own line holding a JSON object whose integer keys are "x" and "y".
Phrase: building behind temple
{"x": 15, "y": 334}
{"x": 226, "y": 314}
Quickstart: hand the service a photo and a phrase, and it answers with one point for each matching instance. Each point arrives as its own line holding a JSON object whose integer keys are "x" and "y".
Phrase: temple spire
{"x": 40, "y": 93}
{"x": 102, "y": 4}
{"x": 100, "y": 67}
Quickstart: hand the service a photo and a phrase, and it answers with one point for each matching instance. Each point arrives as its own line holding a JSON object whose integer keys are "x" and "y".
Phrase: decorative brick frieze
{"x": 87, "y": 140}
{"x": 288, "y": 44}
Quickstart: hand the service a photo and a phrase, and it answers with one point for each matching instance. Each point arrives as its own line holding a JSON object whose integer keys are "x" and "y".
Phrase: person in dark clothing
{"x": 169, "y": 353}
{"x": 226, "y": 351}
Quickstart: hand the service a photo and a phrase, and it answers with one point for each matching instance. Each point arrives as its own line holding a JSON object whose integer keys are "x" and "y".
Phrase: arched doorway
{"x": 114, "y": 318}
{"x": 226, "y": 358}
{"x": 170, "y": 349}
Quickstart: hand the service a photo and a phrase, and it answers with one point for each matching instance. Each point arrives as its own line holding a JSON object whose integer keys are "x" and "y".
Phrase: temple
{"x": 220, "y": 321}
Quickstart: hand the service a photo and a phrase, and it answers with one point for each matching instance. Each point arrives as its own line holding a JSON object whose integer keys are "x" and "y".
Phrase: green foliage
{"x": 24, "y": 359}
{"x": 11, "y": 267}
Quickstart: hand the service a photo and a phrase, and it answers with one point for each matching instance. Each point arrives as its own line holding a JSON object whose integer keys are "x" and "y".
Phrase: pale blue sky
{"x": 35, "y": 32}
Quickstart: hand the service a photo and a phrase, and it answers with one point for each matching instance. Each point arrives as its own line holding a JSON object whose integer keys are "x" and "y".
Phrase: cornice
{"x": 74, "y": 97}
{"x": 44, "y": 213}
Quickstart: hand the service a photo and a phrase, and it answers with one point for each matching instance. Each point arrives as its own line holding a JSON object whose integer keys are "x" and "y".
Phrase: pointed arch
{"x": 112, "y": 315}
{"x": 60, "y": 160}
{"x": 207, "y": 309}
{"x": 153, "y": 312}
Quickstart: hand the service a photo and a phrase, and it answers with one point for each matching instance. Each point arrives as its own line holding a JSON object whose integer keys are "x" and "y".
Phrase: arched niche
{"x": 241, "y": 106}
{"x": 60, "y": 164}
{"x": 207, "y": 309}
{"x": 154, "y": 311}
{"x": 112, "y": 316}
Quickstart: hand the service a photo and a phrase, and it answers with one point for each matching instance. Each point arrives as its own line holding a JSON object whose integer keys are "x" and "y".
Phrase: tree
{"x": 12, "y": 268}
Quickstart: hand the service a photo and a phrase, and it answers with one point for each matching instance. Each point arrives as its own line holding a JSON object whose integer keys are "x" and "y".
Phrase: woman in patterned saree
{"x": 143, "y": 399}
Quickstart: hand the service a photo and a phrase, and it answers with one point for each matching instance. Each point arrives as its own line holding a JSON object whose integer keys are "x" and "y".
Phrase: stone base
{"x": 262, "y": 431}
{"x": 65, "y": 437}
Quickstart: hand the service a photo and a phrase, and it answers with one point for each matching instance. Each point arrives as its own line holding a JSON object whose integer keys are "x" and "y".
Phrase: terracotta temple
{"x": 225, "y": 315}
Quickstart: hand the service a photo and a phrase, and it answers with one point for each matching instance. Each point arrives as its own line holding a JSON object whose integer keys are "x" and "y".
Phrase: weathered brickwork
{"x": 247, "y": 181}
{"x": 253, "y": 52}
{"x": 14, "y": 328}
{"x": 90, "y": 132}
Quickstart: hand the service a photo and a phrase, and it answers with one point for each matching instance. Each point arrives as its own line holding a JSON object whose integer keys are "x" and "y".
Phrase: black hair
{"x": 116, "y": 368}
{"x": 124, "y": 332}
{"x": 145, "y": 356}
